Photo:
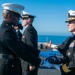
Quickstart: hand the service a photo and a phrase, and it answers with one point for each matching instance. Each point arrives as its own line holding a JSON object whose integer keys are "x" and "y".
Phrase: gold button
{"x": 12, "y": 65}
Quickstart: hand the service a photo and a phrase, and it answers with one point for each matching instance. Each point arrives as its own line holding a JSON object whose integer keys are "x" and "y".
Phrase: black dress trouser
{"x": 10, "y": 67}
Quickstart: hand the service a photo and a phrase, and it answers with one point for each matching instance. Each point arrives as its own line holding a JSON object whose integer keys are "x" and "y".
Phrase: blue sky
{"x": 50, "y": 14}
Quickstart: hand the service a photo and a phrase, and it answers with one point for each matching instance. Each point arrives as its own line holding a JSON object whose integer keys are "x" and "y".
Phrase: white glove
{"x": 45, "y": 63}
{"x": 45, "y": 54}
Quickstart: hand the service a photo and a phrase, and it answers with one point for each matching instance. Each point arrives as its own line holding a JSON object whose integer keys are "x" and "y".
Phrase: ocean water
{"x": 56, "y": 39}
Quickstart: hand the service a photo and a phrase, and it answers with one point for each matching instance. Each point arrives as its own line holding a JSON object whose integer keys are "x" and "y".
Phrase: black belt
{"x": 6, "y": 56}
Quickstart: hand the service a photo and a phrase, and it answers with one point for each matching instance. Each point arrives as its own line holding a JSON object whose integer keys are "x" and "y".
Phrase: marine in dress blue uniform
{"x": 11, "y": 48}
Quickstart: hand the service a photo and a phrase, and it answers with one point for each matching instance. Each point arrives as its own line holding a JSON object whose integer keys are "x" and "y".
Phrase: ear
{"x": 9, "y": 16}
{"x": 29, "y": 19}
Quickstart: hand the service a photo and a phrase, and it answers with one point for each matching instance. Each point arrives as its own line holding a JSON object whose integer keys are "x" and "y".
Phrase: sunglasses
{"x": 71, "y": 22}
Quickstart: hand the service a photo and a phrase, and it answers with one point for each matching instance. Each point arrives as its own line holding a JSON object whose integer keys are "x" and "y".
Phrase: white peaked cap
{"x": 71, "y": 15}
{"x": 13, "y": 7}
{"x": 71, "y": 12}
{"x": 26, "y": 14}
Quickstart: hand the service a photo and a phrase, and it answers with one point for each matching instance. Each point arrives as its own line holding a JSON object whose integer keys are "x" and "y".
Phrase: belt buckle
{"x": 6, "y": 56}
